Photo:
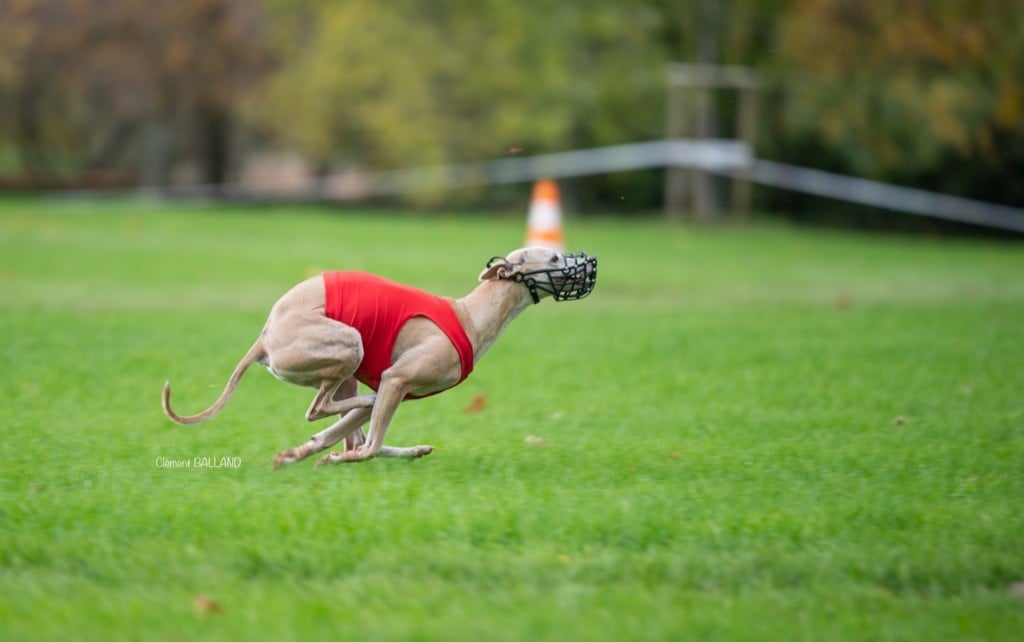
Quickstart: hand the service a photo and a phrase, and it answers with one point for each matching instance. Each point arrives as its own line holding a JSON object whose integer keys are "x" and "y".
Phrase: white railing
{"x": 723, "y": 157}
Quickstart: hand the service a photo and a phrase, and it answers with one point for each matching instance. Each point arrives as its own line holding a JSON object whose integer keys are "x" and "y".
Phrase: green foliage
{"x": 399, "y": 84}
{"x": 106, "y": 85}
{"x": 757, "y": 433}
{"x": 925, "y": 94}
{"x": 901, "y": 88}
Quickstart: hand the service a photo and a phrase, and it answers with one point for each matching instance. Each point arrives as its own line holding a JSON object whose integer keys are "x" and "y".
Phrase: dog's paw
{"x": 421, "y": 451}
{"x": 342, "y": 457}
{"x": 333, "y": 457}
{"x": 282, "y": 459}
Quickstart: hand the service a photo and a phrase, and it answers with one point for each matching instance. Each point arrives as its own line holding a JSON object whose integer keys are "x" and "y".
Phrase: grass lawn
{"x": 761, "y": 433}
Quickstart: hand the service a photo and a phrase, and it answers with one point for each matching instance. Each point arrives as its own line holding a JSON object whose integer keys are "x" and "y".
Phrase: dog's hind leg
{"x": 334, "y": 398}
{"x": 357, "y": 438}
{"x": 400, "y": 452}
{"x": 305, "y": 348}
{"x": 326, "y": 438}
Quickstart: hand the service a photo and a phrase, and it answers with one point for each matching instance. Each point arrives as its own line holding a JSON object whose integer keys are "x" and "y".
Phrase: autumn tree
{"x": 124, "y": 84}
{"x": 932, "y": 91}
{"x": 408, "y": 83}
{"x": 405, "y": 83}
{"x": 919, "y": 92}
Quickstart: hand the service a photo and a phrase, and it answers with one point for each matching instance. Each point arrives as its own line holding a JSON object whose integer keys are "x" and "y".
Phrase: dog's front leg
{"x": 393, "y": 388}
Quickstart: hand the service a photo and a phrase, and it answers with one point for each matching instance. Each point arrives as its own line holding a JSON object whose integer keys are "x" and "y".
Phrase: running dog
{"x": 340, "y": 328}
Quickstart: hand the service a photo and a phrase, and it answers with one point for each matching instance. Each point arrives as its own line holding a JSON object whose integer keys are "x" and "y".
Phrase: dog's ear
{"x": 497, "y": 268}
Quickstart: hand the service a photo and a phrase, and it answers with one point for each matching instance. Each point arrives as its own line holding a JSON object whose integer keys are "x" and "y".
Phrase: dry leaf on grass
{"x": 203, "y": 604}
{"x": 477, "y": 405}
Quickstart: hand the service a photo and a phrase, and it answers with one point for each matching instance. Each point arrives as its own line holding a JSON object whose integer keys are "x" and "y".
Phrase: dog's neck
{"x": 489, "y": 308}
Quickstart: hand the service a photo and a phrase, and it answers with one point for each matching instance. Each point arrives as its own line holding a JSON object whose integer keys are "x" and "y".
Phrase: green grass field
{"x": 760, "y": 433}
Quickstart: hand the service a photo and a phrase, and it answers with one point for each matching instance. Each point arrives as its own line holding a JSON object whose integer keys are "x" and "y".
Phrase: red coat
{"x": 378, "y": 308}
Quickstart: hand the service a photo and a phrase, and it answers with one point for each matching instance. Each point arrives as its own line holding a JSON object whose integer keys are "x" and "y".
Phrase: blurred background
{"x": 280, "y": 94}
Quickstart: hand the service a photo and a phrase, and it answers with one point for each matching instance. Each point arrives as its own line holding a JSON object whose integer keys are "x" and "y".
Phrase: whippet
{"x": 334, "y": 330}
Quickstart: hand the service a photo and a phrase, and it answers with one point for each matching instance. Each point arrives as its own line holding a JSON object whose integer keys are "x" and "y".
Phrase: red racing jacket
{"x": 378, "y": 308}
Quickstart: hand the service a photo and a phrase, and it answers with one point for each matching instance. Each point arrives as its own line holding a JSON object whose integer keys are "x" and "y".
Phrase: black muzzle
{"x": 573, "y": 281}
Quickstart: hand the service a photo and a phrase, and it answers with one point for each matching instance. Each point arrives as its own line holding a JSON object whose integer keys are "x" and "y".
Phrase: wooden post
{"x": 705, "y": 199}
{"x": 709, "y": 17}
{"x": 691, "y": 112}
{"x": 746, "y": 131}
{"x": 675, "y": 177}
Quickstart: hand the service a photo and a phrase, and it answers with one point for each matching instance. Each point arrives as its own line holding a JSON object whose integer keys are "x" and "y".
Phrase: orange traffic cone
{"x": 544, "y": 225}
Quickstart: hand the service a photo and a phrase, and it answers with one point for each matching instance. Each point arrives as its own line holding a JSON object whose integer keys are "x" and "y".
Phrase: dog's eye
{"x": 554, "y": 259}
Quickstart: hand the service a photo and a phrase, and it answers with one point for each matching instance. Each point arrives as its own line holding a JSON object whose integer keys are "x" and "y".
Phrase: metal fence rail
{"x": 885, "y": 196}
{"x": 718, "y": 155}
{"x": 722, "y": 157}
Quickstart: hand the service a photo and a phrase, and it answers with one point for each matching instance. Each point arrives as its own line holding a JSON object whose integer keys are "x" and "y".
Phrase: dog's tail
{"x": 255, "y": 352}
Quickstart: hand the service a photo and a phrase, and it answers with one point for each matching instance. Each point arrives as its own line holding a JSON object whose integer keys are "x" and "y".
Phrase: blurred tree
{"x": 909, "y": 90}
{"x": 923, "y": 92}
{"x": 407, "y": 83}
{"x": 101, "y": 84}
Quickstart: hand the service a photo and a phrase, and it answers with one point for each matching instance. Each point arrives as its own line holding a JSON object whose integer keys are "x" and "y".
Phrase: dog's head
{"x": 546, "y": 272}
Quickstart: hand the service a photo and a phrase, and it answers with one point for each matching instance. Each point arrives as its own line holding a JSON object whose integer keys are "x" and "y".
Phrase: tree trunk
{"x": 215, "y": 129}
